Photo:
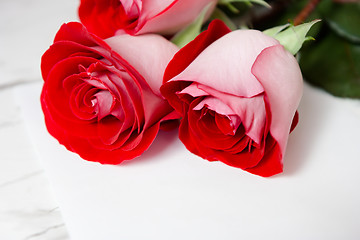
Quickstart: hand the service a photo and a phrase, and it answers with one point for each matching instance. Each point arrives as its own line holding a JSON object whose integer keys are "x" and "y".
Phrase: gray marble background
{"x": 28, "y": 210}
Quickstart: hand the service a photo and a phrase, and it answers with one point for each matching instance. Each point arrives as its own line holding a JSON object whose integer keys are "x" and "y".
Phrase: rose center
{"x": 92, "y": 93}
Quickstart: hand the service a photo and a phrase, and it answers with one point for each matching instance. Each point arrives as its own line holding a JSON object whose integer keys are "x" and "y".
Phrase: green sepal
{"x": 291, "y": 37}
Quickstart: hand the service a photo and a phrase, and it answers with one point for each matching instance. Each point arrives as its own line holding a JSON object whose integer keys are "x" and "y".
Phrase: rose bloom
{"x": 237, "y": 93}
{"x": 101, "y": 98}
{"x": 105, "y": 17}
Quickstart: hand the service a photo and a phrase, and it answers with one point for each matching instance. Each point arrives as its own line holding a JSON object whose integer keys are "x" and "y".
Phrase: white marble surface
{"x": 28, "y": 209}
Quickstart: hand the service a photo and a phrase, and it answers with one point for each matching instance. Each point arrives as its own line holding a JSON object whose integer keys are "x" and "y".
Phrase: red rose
{"x": 238, "y": 93}
{"x": 101, "y": 98}
{"x": 105, "y": 17}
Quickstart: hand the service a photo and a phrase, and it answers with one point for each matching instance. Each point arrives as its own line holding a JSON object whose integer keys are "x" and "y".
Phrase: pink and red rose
{"x": 105, "y": 17}
{"x": 237, "y": 93}
{"x": 101, "y": 98}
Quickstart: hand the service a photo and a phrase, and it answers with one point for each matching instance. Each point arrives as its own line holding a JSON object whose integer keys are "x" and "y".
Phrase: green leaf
{"x": 292, "y": 37}
{"x": 333, "y": 63}
{"x": 219, "y": 14}
{"x": 343, "y": 18}
{"x": 189, "y": 33}
{"x": 260, "y": 2}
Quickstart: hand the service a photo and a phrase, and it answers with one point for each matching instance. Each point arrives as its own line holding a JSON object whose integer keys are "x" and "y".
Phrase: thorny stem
{"x": 307, "y": 10}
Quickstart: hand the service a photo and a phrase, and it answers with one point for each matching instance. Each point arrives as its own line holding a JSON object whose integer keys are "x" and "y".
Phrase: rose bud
{"x": 101, "y": 98}
{"x": 237, "y": 93}
{"x": 105, "y": 17}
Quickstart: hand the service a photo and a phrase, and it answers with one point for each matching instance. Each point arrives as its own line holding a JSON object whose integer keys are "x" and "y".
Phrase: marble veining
{"x": 45, "y": 231}
{"x": 22, "y": 178}
{"x": 28, "y": 210}
{"x": 27, "y": 207}
{"x": 16, "y": 82}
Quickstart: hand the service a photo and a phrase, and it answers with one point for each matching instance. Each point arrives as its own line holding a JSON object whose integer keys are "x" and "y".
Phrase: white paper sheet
{"x": 170, "y": 194}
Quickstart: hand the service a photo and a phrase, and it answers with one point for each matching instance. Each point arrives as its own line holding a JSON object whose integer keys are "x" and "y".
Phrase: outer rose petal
{"x": 271, "y": 163}
{"x": 98, "y": 16}
{"x": 279, "y": 73}
{"x": 226, "y": 68}
{"x": 176, "y": 15}
{"x": 87, "y": 151}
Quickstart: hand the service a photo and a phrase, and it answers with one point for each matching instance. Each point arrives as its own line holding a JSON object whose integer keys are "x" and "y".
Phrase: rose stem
{"x": 307, "y": 10}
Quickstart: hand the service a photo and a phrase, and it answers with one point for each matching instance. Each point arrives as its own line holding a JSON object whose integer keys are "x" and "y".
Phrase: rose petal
{"x": 109, "y": 129}
{"x": 158, "y": 15}
{"x": 194, "y": 91}
{"x": 227, "y": 124}
{"x": 104, "y": 103}
{"x": 75, "y": 32}
{"x": 132, "y": 7}
{"x": 204, "y": 127}
{"x": 91, "y": 152}
{"x": 56, "y": 91}
{"x": 279, "y": 73}
{"x": 226, "y": 68}
{"x": 61, "y": 50}
{"x": 77, "y": 104}
{"x": 216, "y": 105}
{"x": 101, "y": 16}
{"x": 251, "y": 111}
{"x": 142, "y": 59}
{"x": 248, "y": 158}
{"x": 271, "y": 163}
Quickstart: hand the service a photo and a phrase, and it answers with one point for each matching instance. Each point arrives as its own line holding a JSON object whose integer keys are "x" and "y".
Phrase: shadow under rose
{"x": 163, "y": 140}
{"x": 314, "y": 110}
